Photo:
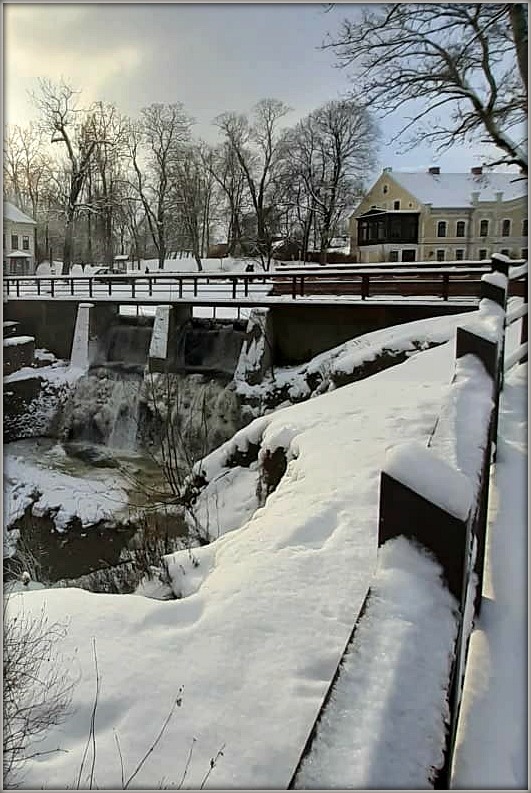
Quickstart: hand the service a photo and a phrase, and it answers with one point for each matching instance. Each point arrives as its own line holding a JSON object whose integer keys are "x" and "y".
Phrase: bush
{"x": 36, "y": 694}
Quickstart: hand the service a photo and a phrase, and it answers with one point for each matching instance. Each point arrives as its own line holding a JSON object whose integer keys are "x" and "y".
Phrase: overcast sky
{"x": 211, "y": 57}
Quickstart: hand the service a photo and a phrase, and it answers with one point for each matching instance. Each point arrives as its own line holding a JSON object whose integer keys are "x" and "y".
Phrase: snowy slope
{"x": 258, "y": 641}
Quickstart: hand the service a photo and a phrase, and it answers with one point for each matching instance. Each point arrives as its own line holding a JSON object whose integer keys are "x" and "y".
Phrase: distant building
{"x": 18, "y": 241}
{"x": 439, "y": 217}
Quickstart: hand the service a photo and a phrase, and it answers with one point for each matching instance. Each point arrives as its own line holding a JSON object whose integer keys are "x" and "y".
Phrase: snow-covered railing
{"x": 519, "y": 355}
{"x": 438, "y": 496}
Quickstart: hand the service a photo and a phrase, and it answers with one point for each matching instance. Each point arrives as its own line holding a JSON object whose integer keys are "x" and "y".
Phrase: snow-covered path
{"x": 491, "y": 750}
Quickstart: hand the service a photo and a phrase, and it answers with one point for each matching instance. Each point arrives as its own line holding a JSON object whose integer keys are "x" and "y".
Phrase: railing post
{"x": 52, "y": 287}
{"x": 445, "y": 286}
{"x": 523, "y": 334}
{"x": 18, "y": 287}
{"x": 150, "y": 286}
{"x": 364, "y": 286}
{"x": 90, "y": 286}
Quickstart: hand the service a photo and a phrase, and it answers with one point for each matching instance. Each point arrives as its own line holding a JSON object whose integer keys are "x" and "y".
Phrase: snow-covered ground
{"x": 247, "y": 643}
{"x": 268, "y": 607}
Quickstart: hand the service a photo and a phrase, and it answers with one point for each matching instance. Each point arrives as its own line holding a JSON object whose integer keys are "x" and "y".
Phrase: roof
{"x": 18, "y": 255}
{"x": 13, "y": 213}
{"x": 122, "y": 257}
{"x": 455, "y": 189}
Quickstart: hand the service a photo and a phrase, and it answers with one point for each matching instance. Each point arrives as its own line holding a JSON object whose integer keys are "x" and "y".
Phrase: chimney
{"x": 434, "y": 170}
{"x": 477, "y": 170}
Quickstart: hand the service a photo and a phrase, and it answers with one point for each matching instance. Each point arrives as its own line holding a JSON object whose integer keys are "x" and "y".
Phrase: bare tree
{"x": 328, "y": 154}
{"x": 191, "y": 189}
{"x": 28, "y": 174}
{"x": 35, "y": 693}
{"x": 78, "y": 131}
{"x": 460, "y": 69}
{"x": 156, "y": 143}
{"x": 257, "y": 145}
{"x": 225, "y": 169}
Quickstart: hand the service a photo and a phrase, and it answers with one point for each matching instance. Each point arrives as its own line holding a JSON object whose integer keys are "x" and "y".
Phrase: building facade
{"x": 437, "y": 217}
{"x": 18, "y": 241}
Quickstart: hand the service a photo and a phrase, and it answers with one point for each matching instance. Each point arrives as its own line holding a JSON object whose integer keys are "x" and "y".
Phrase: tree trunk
{"x": 67, "y": 247}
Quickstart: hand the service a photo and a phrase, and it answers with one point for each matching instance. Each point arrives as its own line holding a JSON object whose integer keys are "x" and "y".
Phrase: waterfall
{"x": 104, "y": 409}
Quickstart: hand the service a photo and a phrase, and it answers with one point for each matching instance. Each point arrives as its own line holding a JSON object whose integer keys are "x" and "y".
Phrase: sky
{"x": 210, "y": 57}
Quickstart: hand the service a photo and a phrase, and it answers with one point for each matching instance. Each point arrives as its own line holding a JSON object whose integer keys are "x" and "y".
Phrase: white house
{"x": 18, "y": 241}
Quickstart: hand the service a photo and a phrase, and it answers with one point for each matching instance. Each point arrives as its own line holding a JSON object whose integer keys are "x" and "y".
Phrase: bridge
{"x": 311, "y": 308}
{"x": 422, "y": 282}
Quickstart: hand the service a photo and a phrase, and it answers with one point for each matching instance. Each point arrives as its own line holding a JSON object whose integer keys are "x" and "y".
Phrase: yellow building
{"x": 437, "y": 217}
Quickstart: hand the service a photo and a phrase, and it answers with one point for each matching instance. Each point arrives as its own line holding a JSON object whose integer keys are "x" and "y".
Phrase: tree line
{"x": 452, "y": 73}
{"x": 100, "y": 184}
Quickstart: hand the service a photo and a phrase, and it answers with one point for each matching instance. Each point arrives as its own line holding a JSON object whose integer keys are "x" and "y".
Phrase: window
{"x": 484, "y": 228}
{"x": 505, "y": 252}
{"x": 460, "y": 227}
{"x": 440, "y": 254}
{"x": 408, "y": 255}
{"x": 506, "y": 228}
{"x": 524, "y": 227}
{"x": 396, "y": 204}
{"x": 4, "y": 241}
{"x": 385, "y": 189}
{"x": 14, "y": 241}
{"x": 483, "y": 253}
{"x": 441, "y": 228}
{"x": 459, "y": 254}
{"x": 25, "y": 243}
{"x": 393, "y": 256}
{"x": 524, "y": 253}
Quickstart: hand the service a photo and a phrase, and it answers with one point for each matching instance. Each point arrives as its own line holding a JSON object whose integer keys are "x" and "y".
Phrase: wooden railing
{"x": 453, "y": 280}
{"x": 457, "y": 541}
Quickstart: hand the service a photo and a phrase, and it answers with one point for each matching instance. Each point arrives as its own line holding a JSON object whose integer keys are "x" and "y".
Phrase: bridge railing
{"x": 447, "y": 512}
{"x": 443, "y": 282}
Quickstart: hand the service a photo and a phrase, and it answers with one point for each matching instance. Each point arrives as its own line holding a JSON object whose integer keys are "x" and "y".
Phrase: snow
{"x": 267, "y": 609}
{"x": 496, "y": 279}
{"x": 453, "y": 190}
{"x": 431, "y": 477}
{"x": 15, "y": 341}
{"x": 391, "y": 694}
{"x": 491, "y": 748}
{"x": 89, "y": 498}
{"x": 13, "y": 213}
{"x": 262, "y": 600}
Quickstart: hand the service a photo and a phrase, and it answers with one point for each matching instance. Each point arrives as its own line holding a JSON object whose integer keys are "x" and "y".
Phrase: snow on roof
{"x": 18, "y": 255}
{"x": 455, "y": 189}
{"x": 13, "y": 213}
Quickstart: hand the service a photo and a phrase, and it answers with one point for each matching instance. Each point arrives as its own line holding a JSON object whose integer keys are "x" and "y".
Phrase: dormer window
{"x": 441, "y": 228}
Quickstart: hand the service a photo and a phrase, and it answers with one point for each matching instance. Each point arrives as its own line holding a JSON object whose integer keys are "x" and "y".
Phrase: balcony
{"x": 379, "y": 226}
